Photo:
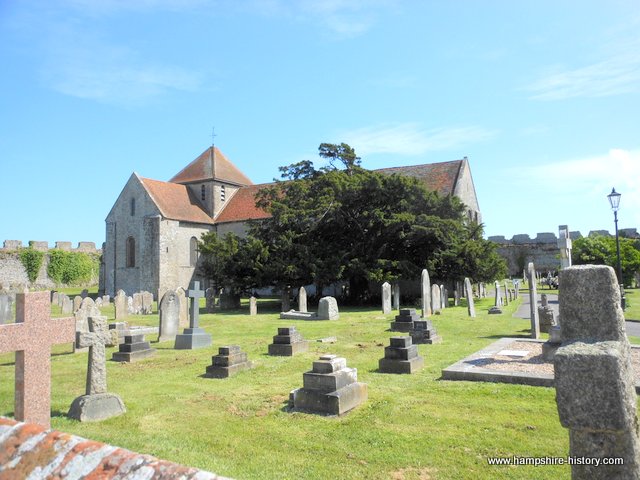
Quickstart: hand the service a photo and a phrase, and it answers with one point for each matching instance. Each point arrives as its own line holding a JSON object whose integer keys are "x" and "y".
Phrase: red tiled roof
{"x": 439, "y": 177}
{"x": 200, "y": 169}
{"x": 242, "y": 205}
{"x": 175, "y": 201}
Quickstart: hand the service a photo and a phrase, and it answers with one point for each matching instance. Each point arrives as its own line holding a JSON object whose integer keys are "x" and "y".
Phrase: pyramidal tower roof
{"x": 211, "y": 164}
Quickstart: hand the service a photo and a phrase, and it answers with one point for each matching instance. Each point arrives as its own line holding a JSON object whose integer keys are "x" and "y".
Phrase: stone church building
{"x": 153, "y": 229}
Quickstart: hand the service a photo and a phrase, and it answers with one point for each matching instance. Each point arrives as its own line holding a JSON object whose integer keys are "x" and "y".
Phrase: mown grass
{"x": 412, "y": 426}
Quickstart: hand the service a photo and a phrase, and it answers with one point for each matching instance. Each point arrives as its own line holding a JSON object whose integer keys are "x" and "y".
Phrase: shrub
{"x": 32, "y": 261}
{"x": 72, "y": 268}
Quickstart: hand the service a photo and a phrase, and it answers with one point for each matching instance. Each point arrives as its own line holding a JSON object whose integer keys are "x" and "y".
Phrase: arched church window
{"x": 131, "y": 252}
{"x": 193, "y": 252}
{"x": 202, "y": 193}
{"x": 133, "y": 206}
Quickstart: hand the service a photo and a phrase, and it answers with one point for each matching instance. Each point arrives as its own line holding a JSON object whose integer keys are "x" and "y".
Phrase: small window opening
{"x": 131, "y": 252}
{"x": 133, "y": 207}
{"x": 203, "y": 193}
{"x": 222, "y": 193}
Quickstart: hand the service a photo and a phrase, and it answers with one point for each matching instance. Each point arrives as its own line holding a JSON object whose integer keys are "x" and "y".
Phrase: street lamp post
{"x": 614, "y": 201}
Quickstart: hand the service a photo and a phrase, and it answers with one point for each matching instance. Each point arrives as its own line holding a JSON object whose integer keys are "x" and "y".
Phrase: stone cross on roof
{"x": 195, "y": 294}
{"x": 96, "y": 338}
{"x": 31, "y": 338}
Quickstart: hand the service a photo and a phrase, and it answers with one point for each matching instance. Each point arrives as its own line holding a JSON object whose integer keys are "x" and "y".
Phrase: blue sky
{"x": 543, "y": 97}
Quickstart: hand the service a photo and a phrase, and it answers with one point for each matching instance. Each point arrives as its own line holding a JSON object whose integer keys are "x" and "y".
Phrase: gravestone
{"x": 131, "y": 309}
{"x": 564, "y": 245}
{"x": 468, "y": 293}
{"x": 253, "y": 306}
{"x": 386, "y": 298}
{"x": 444, "y": 297}
{"x": 546, "y": 315}
{"x": 67, "y": 304}
{"x": 120, "y": 303}
{"x": 396, "y": 296}
{"x": 456, "y": 297}
{"x": 84, "y": 294}
{"x": 146, "y": 308}
{"x": 425, "y": 293}
{"x": 302, "y": 300}
{"x": 327, "y": 309}
{"x": 286, "y": 295}
{"x": 401, "y": 356}
{"x": 106, "y": 299}
{"x": 87, "y": 309}
{"x": 98, "y": 302}
{"x": 60, "y": 297}
{"x": 133, "y": 349}
{"x": 495, "y": 310}
{"x": 436, "y": 298}
{"x": 194, "y": 336}
{"x": 330, "y": 388}
{"x": 97, "y": 404}
{"x": 423, "y": 331}
{"x": 121, "y": 328}
{"x": 77, "y": 301}
{"x": 137, "y": 304}
{"x": 31, "y": 338}
{"x": 404, "y": 321}
{"x": 533, "y": 301}
{"x": 54, "y": 298}
{"x": 229, "y": 361}
{"x": 184, "y": 307}
{"x": 210, "y": 295}
{"x": 287, "y": 343}
{"x": 498, "y": 295}
{"x": 6, "y": 315}
{"x": 505, "y": 301}
{"x": 594, "y": 377}
{"x": 169, "y": 316}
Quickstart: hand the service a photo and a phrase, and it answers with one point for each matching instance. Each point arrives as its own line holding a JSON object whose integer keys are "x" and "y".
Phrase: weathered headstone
{"x": 96, "y": 404}
{"x": 77, "y": 301}
{"x": 594, "y": 378}
{"x": 253, "y": 306}
{"x": 505, "y": 301}
{"x": 498, "y": 295}
{"x": 210, "y": 296}
{"x": 444, "y": 297}
{"x": 533, "y": 301}
{"x": 169, "y": 316}
{"x": 401, "y": 356}
{"x": 229, "y": 361}
{"x": 546, "y": 314}
{"x": 396, "y": 296}
{"x": 55, "y": 298}
{"x": 286, "y": 299}
{"x": 146, "y": 307}
{"x": 184, "y": 307}
{"x": 456, "y": 296}
{"x": 98, "y": 302}
{"x": 468, "y": 293}
{"x": 106, "y": 299}
{"x": 136, "y": 308}
{"x": 88, "y": 309}
{"x": 67, "y": 304}
{"x": 386, "y": 298}
{"x": 436, "y": 298}
{"x": 133, "y": 349}
{"x": 31, "y": 338}
{"x": 328, "y": 309}
{"x": 330, "y": 388}
{"x": 404, "y": 321}
{"x": 6, "y": 316}
{"x": 425, "y": 293}
{"x": 302, "y": 300}
{"x": 288, "y": 342}
{"x": 120, "y": 303}
{"x": 194, "y": 336}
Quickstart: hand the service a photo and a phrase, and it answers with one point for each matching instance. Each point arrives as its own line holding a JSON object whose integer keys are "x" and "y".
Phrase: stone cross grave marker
{"x": 468, "y": 293}
{"x": 302, "y": 300}
{"x": 31, "y": 338}
{"x": 386, "y": 298}
{"x": 194, "y": 294}
{"x": 194, "y": 336}
{"x": 96, "y": 404}
{"x": 533, "y": 301}
{"x": 425, "y": 293}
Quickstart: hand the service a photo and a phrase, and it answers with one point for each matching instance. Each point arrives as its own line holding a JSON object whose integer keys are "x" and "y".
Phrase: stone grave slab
{"x": 423, "y": 331}
{"x": 404, "y": 321}
{"x": 288, "y": 342}
{"x": 133, "y": 349}
{"x": 401, "y": 356}
{"x": 229, "y": 361}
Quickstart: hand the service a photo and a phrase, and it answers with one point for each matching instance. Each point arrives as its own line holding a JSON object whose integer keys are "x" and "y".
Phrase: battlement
{"x": 552, "y": 238}
{"x": 85, "y": 247}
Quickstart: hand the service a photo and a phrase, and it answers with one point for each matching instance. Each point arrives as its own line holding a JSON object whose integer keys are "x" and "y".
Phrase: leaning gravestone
{"x": 194, "y": 336}
{"x": 184, "y": 307}
{"x": 594, "y": 378}
{"x": 96, "y": 404}
{"x": 253, "y": 306}
{"x": 331, "y": 388}
{"x": 425, "y": 293}
{"x": 533, "y": 301}
{"x": 468, "y": 293}
{"x": 401, "y": 356}
{"x": 169, "y": 316}
{"x": 302, "y": 300}
{"x": 120, "y": 302}
{"x": 386, "y": 298}
{"x": 5, "y": 309}
{"x": 31, "y": 337}
{"x": 229, "y": 361}
{"x": 287, "y": 343}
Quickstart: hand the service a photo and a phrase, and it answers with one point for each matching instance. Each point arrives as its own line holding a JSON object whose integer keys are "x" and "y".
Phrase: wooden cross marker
{"x": 31, "y": 338}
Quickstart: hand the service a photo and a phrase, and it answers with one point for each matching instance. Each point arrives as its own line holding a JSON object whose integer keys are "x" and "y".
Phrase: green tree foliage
{"x": 32, "y": 261}
{"x": 601, "y": 250}
{"x": 72, "y": 268}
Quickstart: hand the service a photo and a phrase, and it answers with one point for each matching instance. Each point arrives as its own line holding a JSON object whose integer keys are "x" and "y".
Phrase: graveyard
{"x": 411, "y": 426}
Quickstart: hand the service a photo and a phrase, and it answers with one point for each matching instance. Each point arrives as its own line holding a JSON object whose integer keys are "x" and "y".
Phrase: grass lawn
{"x": 411, "y": 427}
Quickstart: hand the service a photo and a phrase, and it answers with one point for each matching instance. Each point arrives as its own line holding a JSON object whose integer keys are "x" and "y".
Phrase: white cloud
{"x": 411, "y": 139}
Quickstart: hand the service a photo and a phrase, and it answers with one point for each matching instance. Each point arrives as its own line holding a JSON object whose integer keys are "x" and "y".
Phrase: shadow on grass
{"x": 520, "y": 335}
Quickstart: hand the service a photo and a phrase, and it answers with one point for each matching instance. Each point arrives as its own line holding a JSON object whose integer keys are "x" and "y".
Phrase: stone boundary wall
{"x": 549, "y": 237}
{"x": 86, "y": 247}
{"x": 30, "y": 451}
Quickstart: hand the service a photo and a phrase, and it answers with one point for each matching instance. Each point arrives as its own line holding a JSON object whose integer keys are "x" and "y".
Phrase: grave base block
{"x": 215, "y": 371}
{"x": 96, "y": 407}
{"x": 549, "y": 350}
{"x": 288, "y": 349}
{"x": 133, "y": 356}
{"x": 334, "y": 403}
{"x": 401, "y": 326}
{"x": 387, "y": 365}
{"x": 192, "y": 338}
{"x": 420, "y": 338}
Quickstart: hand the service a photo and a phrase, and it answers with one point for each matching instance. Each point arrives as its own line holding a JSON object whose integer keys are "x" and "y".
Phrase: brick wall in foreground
{"x": 30, "y": 451}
